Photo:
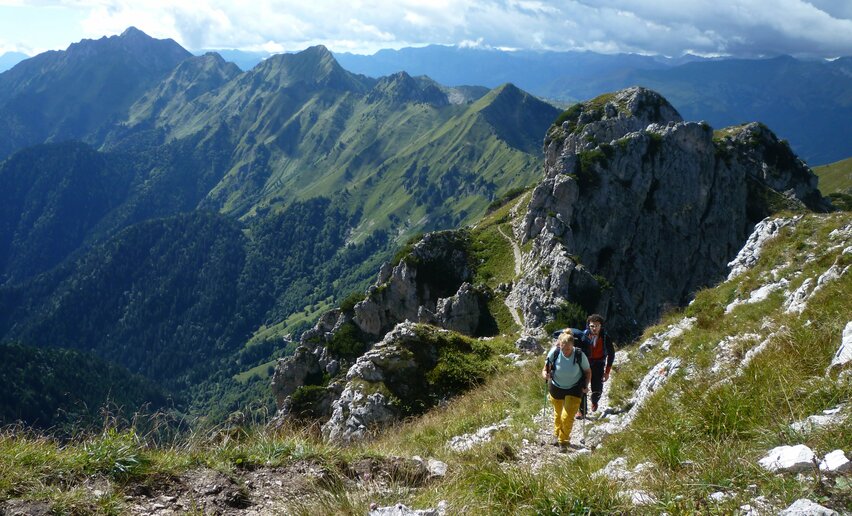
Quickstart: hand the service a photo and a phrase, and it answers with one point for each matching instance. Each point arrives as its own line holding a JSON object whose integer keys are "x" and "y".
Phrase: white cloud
{"x": 738, "y": 27}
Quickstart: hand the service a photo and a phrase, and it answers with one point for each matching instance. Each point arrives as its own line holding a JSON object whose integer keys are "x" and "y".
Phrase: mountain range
{"x": 809, "y": 103}
{"x": 806, "y": 102}
{"x": 159, "y": 209}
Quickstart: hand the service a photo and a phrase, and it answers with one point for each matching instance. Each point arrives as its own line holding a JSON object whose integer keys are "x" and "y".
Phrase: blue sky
{"x": 746, "y": 28}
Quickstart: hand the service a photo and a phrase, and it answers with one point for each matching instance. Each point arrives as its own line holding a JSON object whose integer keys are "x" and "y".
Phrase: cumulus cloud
{"x": 739, "y": 27}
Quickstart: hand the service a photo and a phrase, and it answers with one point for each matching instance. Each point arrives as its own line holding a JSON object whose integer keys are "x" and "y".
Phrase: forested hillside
{"x": 198, "y": 216}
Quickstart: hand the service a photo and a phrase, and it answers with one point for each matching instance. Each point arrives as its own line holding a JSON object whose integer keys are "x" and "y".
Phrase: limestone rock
{"x": 435, "y": 268}
{"x": 788, "y": 459}
{"x": 466, "y": 442}
{"x": 355, "y": 413}
{"x": 436, "y": 468}
{"x": 843, "y": 356}
{"x": 653, "y": 380}
{"x": 646, "y": 207}
{"x": 460, "y": 312}
{"x": 764, "y": 231}
{"x": 798, "y": 300}
{"x": 402, "y": 510}
{"x": 665, "y": 337}
{"x": 828, "y": 417}
{"x": 805, "y": 507}
{"x": 835, "y": 462}
{"x": 530, "y": 343}
{"x": 388, "y": 377}
{"x": 293, "y": 372}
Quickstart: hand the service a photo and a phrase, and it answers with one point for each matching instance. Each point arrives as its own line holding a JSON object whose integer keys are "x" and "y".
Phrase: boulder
{"x": 805, "y": 507}
{"x": 788, "y": 459}
{"x": 835, "y": 462}
{"x": 843, "y": 356}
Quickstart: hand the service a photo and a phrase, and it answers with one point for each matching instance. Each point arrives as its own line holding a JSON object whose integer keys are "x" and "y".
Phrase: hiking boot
{"x": 594, "y": 407}
{"x": 579, "y": 415}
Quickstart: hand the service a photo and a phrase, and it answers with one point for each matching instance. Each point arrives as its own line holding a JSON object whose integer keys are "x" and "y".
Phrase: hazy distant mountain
{"x": 805, "y": 102}
{"x": 548, "y": 74}
{"x": 808, "y": 103}
{"x": 76, "y": 93}
{"x": 10, "y": 59}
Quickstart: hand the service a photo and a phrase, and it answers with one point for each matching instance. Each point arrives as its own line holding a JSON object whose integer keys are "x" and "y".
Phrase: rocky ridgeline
{"x": 639, "y": 209}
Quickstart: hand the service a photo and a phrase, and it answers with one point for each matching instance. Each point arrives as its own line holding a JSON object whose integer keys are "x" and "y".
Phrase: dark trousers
{"x": 598, "y": 367}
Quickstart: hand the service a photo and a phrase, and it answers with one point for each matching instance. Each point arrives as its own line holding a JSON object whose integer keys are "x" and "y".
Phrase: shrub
{"x": 306, "y": 399}
{"x": 347, "y": 342}
{"x": 347, "y": 306}
{"x": 569, "y": 314}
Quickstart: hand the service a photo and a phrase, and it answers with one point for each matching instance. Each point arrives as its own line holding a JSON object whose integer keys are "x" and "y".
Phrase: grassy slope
{"x": 835, "y": 177}
{"x": 700, "y": 435}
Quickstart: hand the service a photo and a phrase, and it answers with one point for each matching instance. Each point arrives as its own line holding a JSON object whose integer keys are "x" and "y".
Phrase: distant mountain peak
{"x": 133, "y": 32}
{"x": 315, "y": 65}
{"x": 401, "y": 87}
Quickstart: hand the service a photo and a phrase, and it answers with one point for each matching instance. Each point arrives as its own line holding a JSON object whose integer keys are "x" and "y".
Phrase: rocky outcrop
{"x": 434, "y": 269}
{"x": 763, "y": 232}
{"x": 399, "y": 377}
{"x": 639, "y": 209}
{"x": 302, "y": 368}
{"x": 431, "y": 284}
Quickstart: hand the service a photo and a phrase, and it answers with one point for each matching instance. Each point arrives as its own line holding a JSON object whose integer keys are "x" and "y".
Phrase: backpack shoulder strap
{"x": 551, "y": 356}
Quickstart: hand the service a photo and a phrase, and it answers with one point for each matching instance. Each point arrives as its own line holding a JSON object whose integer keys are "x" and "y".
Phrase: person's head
{"x": 565, "y": 341}
{"x": 595, "y": 323}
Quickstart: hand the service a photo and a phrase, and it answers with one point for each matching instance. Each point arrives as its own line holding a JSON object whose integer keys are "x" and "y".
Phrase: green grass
{"x": 835, "y": 177}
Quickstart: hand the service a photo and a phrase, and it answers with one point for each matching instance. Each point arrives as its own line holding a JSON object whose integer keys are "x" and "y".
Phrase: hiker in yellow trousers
{"x": 568, "y": 375}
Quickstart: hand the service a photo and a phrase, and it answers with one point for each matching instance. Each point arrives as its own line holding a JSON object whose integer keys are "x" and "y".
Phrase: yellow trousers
{"x": 563, "y": 420}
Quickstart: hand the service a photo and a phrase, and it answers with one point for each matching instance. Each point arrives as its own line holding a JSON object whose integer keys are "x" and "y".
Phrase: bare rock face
{"x": 436, "y": 267}
{"x": 647, "y": 208}
{"x": 367, "y": 401}
{"x": 460, "y": 312}
{"x": 293, "y": 372}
